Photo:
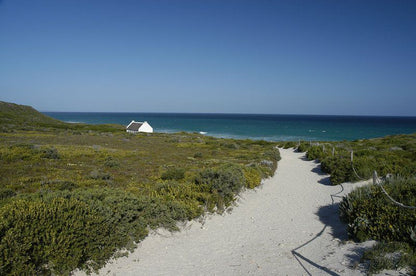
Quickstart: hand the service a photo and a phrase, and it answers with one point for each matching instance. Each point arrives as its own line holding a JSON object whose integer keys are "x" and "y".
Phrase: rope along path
{"x": 376, "y": 180}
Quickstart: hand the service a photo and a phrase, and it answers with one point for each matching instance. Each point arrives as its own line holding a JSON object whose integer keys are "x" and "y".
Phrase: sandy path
{"x": 288, "y": 226}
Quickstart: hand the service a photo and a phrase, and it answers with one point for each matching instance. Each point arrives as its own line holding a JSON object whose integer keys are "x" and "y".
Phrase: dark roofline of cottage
{"x": 134, "y": 126}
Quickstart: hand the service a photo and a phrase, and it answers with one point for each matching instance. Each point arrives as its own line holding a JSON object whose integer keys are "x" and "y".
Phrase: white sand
{"x": 288, "y": 226}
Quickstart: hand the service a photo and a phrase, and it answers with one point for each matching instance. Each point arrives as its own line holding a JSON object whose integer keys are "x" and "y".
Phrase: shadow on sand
{"x": 329, "y": 216}
{"x": 325, "y": 180}
{"x": 300, "y": 257}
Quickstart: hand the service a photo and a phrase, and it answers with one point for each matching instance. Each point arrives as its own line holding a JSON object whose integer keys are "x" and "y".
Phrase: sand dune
{"x": 288, "y": 226}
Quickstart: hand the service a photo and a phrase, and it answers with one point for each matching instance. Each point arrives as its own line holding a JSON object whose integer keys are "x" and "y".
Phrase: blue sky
{"x": 278, "y": 57}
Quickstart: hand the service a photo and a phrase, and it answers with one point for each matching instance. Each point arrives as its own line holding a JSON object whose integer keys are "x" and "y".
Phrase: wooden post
{"x": 375, "y": 177}
{"x": 333, "y": 151}
{"x": 323, "y": 148}
{"x": 352, "y": 156}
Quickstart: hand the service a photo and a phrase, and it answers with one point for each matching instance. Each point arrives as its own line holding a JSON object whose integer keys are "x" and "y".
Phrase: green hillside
{"x": 14, "y": 116}
{"x": 22, "y": 117}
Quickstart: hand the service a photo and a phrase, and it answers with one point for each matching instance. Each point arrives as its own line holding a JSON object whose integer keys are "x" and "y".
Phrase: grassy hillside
{"x": 73, "y": 195}
{"x": 14, "y": 116}
{"x": 21, "y": 117}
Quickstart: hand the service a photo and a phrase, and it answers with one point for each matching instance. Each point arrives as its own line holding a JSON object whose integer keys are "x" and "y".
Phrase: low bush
{"x": 6, "y": 193}
{"x": 230, "y": 145}
{"x": 272, "y": 154}
{"x": 18, "y": 152}
{"x": 392, "y": 255}
{"x": 111, "y": 162}
{"x": 173, "y": 174}
{"x": 388, "y": 155}
{"x": 315, "y": 153}
{"x": 28, "y": 152}
{"x": 57, "y": 235}
{"x": 339, "y": 169}
{"x": 99, "y": 175}
{"x": 60, "y": 231}
{"x": 60, "y": 185}
{"x": 226, "y": 180}
{"x": 252, "y": 176}
{"x": 198, "y": 155}
{"x": 303, "y": 147}
{"x": 49, "y": 153}
{"x": 371, "y": 215}
{"x": 133, "y": 213}
{"x": 288, "y": 144}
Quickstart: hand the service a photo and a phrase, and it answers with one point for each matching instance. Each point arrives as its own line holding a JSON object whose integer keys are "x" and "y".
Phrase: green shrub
{"x": 19, "y": 152}
{"x": 371, "y": 215}
{"x": 99, "y": 175}
{"x": 315, "y": 153}
{"x": 132, "y": 213}
{"x": 60, "y": 231}
{"x": 49, "y": 153}
{"x": 272, "y": 154}
{"x": 173, "y": 174}
{"x": 6, "y": 193}
{"x": 388, "y": 155}
{"x": 60, "y": 185}
{"x": 287, "y": 145}
{"x": 111, "y": 162}
{"x": 252, "y": 175}
{"x": 198, "y": 155}
{"x": 392, "y": 255}
{"x": 339, "y": 168}
{"x": 57, "y": 235}
{"x": 365, "y": 166}
{"x": 230, "y": 145}
{"x": 303, "y": 147}
{"x": 28, "y": 152}
{"x": 226, "y": 180}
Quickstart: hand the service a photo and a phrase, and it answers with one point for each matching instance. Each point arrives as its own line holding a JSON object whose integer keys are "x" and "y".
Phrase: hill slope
{"x": 22, "y": 117}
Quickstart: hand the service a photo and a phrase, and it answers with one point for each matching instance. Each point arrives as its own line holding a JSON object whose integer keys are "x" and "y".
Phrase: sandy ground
{"x": 287, "y": 226}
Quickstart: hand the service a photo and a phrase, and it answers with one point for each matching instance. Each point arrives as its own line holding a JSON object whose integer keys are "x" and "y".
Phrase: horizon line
{"x": 232, "y": 113}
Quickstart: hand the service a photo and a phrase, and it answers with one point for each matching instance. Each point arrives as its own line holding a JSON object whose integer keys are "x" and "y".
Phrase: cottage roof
{"x": 134, "y": 126}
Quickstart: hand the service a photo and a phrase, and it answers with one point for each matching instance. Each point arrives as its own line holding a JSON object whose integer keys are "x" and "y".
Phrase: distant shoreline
{"x": 256, "y": 126}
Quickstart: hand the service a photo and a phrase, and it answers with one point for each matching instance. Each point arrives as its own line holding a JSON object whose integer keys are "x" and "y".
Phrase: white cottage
{"x": 136, "y": 127}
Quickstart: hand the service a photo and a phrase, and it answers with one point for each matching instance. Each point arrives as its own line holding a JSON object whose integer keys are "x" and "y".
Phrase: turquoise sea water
{"x": 266, "y": 127}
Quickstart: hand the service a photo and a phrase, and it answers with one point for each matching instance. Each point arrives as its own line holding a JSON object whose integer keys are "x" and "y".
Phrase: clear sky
{"x": 279, "y": 57}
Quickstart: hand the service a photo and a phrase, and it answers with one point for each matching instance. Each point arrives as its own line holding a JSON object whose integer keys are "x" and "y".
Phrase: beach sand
{"x": 287, "y": 226}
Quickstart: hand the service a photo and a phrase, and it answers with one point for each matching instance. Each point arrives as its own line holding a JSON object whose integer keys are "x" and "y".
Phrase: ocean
{"x": 256, "y": 126}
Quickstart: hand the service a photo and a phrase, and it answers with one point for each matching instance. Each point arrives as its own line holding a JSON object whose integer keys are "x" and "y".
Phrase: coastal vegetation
{"x": 368, "y": 212}
{"x": 388, "y": 155}
{"x": 75, "y": 195}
